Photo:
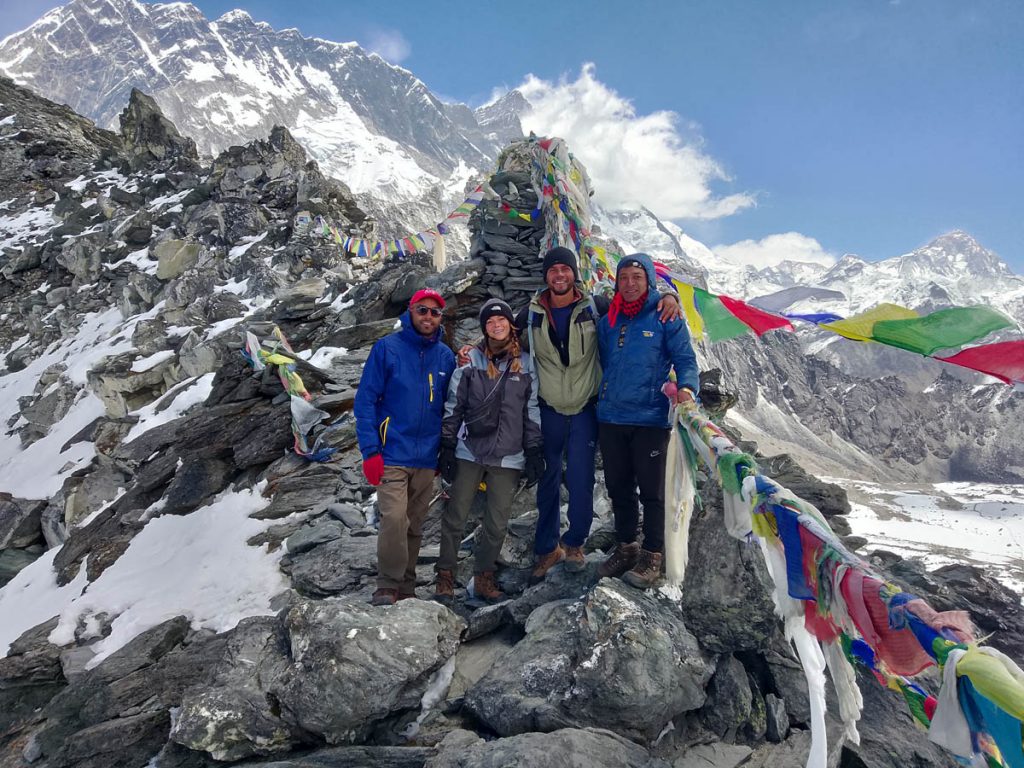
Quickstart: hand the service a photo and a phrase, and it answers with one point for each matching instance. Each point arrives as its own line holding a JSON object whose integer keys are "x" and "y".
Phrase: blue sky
{"x": 866, "y": 126}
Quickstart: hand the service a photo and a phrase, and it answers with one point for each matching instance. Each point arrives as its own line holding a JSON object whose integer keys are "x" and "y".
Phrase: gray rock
{"x": 195, "y": 483}
{"x": 473, "y": 660}
{"x": 310, "y": 536}
{"x": 354, "y": 757}
{"x": 307, "y": 491}
{"x": 558, "y": 584}
{"x": 727, "y": 592}
{"x": 354, "y": 664}
{"x": 231, "y": 724}
{"x": 197, "y": 357}
{"x": 174, "y": 257}
{"x": 349, "y": 514}
{"x": 618, "y": 658}
{"x": 12, "y": 561}
{"x": 793, "y": 752}
{"x": 715, "y": 755}
{"x": 32, "y": 660}
{"x": 778, "y": 720}
{"x": 786, "y": 676}
{"x": 565, "y": 748}
{"x": 728, "y": 706}
{"x": 124, "y": 742}
{"x": 149, "y": 136}
{"x": 19, "y": 521}
{"x": 334, "y": 568}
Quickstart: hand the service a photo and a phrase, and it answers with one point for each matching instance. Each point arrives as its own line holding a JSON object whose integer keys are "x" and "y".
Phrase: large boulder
{"x": 618, "y": 658}
{"x": 354, "y": 665}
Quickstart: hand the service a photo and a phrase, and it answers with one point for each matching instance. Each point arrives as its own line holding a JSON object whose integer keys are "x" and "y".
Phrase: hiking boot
{"x": 621, "y": 560}
{"x": 385, "y": 597}
{"x": 444, "y": 587}
{"x": 574, "y": 560}
{"x": 486, "y": 587}
{"x": 646, "y": 571}
{"x": 546, "y": 562}
{"x": 407, "y": 591}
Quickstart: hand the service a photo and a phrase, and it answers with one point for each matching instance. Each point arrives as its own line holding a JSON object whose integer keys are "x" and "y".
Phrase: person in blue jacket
{"x": 637, "y": 351}
{"x": 398, "y": 410}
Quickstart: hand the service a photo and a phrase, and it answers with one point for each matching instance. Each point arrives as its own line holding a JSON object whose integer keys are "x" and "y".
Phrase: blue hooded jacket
{"x": 636, "y": 356}
{"x": 401, "y": 397}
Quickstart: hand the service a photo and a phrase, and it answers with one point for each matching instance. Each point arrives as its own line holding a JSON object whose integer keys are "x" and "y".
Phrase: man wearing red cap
{"x": 398, "y": 409}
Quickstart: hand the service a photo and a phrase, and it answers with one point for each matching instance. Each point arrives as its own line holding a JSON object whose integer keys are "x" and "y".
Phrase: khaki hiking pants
{"x": 501, "y": 488}
{"x": 403, "y": 497}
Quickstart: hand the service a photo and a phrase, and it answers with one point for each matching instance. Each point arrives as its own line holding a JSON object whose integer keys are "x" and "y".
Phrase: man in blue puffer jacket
{"x": 398, "y": 409}
{"x": 637, "y": 351}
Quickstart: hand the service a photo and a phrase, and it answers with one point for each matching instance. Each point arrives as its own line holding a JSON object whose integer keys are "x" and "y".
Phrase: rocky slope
{"x": 202, "y": 596}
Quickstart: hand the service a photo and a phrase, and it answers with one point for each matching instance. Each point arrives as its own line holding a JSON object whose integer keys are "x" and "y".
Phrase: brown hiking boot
{"x": 621, "y": 560}
{"x": 444, "y": 586}
{"x": 385, "y": 597}
{"x": 646, "y": 571}
{"x": 574, "y": 560}
{"x": 546, "y": 562}
{"x": 486, "y": 587}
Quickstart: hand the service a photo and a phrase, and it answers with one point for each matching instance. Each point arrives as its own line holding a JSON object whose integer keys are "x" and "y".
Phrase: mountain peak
{"x": 954, "y": 254}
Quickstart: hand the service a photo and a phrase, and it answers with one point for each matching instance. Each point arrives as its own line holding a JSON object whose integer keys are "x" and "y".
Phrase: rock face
{"x": 618, "y": 658}
{"x": 149, "y": 136}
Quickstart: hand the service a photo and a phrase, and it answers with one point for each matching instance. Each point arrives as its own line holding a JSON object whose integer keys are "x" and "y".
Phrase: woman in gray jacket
{"x": 491, "y": 433}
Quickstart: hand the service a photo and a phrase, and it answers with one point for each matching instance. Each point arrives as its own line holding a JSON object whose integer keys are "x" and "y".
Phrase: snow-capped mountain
{"x": 640, "y": 230}
{"x": 229, "y": 81}
{"x": 953, "y": 269}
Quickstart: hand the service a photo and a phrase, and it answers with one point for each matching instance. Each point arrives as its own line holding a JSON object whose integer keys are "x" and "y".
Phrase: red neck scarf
{"x": 629, "y": 308}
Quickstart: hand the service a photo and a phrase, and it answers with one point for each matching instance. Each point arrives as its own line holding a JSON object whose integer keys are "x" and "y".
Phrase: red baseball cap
{"x": 427, "y": 293}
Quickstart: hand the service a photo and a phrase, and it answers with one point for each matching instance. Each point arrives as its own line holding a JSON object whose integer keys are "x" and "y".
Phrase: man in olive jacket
{"x": 560, "y": 327}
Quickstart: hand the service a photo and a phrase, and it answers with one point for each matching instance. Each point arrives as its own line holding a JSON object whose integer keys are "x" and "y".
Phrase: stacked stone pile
{"x": 509, "y": 245}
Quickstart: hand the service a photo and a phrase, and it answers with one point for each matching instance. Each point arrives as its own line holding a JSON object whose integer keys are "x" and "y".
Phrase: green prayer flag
{"x": 719, "y": 323}
{"x": 944, "y": 329}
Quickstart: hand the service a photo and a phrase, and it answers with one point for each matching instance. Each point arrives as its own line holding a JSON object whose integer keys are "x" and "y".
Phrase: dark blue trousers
{"x": 572, "y": 439}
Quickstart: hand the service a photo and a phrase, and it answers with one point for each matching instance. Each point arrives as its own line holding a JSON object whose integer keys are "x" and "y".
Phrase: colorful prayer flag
{"x": 942, "y": 329}
{"x": 1004, "y": 360}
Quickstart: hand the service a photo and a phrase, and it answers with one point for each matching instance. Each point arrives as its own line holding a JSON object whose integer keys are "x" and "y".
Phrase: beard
{"x": 563, "y": 291}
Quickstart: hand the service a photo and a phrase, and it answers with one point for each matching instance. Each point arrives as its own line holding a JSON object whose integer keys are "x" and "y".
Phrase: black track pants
{"x": 634, "y": 457}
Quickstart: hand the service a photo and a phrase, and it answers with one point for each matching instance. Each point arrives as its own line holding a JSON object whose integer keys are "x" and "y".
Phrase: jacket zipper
{"x": 430, "y": 381}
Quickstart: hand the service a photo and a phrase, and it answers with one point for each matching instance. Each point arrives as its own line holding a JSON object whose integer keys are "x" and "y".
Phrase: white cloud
{"x": 632, "y": 159}
{"x": 771, "y": 250}
{"x": 389, "y": 44}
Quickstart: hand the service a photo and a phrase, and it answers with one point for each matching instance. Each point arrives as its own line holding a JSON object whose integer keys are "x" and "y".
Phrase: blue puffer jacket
{"x": 401, "y": 397}
{"x": 635, "y": 359}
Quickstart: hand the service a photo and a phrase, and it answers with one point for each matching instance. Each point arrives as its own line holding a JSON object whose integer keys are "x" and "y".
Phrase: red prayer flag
{"x": 1004, "y": 360}
{"x": 760, "y": 322}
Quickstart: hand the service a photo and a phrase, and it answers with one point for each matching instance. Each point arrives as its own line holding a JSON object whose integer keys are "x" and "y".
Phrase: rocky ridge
{"x": 177, "y": 259}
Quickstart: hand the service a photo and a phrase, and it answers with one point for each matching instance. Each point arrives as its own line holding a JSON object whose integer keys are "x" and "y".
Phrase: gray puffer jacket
{"x": 517, "y": 419}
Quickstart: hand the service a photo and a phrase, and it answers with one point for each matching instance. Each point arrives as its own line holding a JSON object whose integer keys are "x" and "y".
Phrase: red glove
{"x": 373, "y": 468}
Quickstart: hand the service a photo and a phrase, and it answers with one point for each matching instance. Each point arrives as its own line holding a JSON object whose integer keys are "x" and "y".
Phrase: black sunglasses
{"x": 421, "y": 310}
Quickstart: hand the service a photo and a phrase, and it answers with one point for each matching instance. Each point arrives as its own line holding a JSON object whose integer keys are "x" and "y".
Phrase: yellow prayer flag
{"x": 860, "y": 327}
{"x": 689, "y": 303}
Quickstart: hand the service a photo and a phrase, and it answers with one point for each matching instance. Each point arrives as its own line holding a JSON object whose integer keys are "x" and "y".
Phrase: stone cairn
{"x": 510, "y": 247}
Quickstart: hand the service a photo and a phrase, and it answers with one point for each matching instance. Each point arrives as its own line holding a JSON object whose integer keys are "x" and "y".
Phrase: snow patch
{"x": 173, "y": 404}
{"x": 32, "y": 597}
{"x": 144, "y": 364}
{"x": 196, "y": 565}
